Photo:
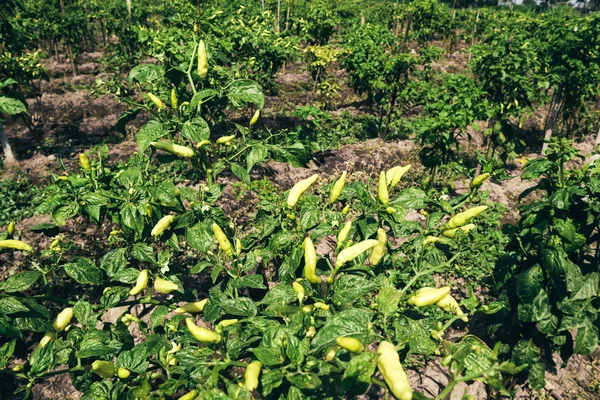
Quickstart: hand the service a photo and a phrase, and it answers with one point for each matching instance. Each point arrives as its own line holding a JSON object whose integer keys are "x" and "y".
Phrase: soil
{"x": 70, "y": 120}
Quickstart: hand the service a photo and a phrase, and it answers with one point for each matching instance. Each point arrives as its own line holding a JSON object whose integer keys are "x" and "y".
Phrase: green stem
{"x": 189, "y": 70}
{"x": 58, "y": 372}
{"x": 448, "y": 389}
{"x": 427, "y": 272}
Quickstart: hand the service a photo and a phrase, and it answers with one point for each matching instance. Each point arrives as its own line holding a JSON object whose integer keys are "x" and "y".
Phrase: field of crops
{"x": 294, "y": 199}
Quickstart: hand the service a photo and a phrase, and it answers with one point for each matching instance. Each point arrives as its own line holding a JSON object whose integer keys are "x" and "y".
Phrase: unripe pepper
{"x": 343, "y": 235}
{"x": 394, "y": 175}
{"x": 191, "y": 395}
{"x": 104, "y": 369}
{"x": 192, "y": 308}
{"x": 202, "y": 60}
{"x": 123, "y": 373}
{"x": 162, "y": 225}
{"x": 148, "y": 209}
{"x": 251, "y": 375}
{"x": 390, "y": 210}
{"x": 319, "y": 305}
{"x": 11, "y": 228}
{"x": 430, "y": 239}
{"x": 225, "y": 323}
{"x": 350, "y": 344}
{"x": 141, "y": 283}
{"x": 175, "y": 149}
{"x": 157, "y": 102}
{"x": 174, "y": 101}
{"x": 428, "y": 297}
{"x": 390, "y": 368}
{"x": 449, "y": 304}
{"x": 310, "y": 261}
{"x": 164, "y": 286}
{"x": 255, "y": 117}
{"x": 224, "y": 243}
{"x": 451, "y": 233}
{"x": 15, "y": 245}
{"x": 84, "y": 161}
{"x": 478, "y": 181}
{"x": 202, "y": 143}
{"x": 346, "y": 209}
{"x": 378, "y": 251}
{"x": 55, "y": 245}
{"x": 299, "y": 290}
{"x": 352, "y": 252}
{"x": 389, "y": 174}
{"x": 382, "y": 190}
{"x": 63, "y": 319}
{"x": 337, "y": 188}
{"x": 48, "y": 336}
{"x": 225, "y": 139}
{"x": 330, "y": 353}
{"x": 202, "y": 334}
{"x": 299, "y": 188}
{"x": 238, "y": 247}
{"x": 462, "y": 218}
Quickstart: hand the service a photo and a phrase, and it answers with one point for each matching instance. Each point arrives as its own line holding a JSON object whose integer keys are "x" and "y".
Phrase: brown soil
{"x": 71, "y": 121}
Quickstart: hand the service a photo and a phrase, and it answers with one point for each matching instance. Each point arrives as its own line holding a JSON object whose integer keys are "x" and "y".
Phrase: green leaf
{"x": 158, "y": 315}
{"x": 6, "y": 352}
{"x": 143, "y": 252}
{"x": 241, "y": 173}
{"x": 42, "y": 359}
{"x": 8, "y": 329}
{"x": 62, "y": 212}
{"x": 84, "y": 271}
{"x": 525, "y": 352}
{"x": 99, "y": 391}
{"x": 349, "y": 288}
{"x": 268, "y": 356}
{"x": 410, "y": 198}
{"x": 358, "y": 372}
{"x": 11, "y": 106}
{"x": 149, "y": 132}
{"x": 353, "y": 322}
{"x": 242, "y": 306}
{"x": 145, "y": 73}
{"x": 309, "y": 217}
{"x": 587, "y": 338}
{"x": 130, "y": 177}
{"x": 257, "y": 155}
{"x": 196, "y": 130}
{"x": 249, "y": 281}
{"x": 282, "y": 293}
{"x": 10, "y": 305}
{"x": 202, "y": 96}
{"x": 20, "y": 282}
{"x": 84, "y": 314}
{"x": 271, "y": 380}
{"x": 535, "y": 168}
{"x": 537, "y": 376}
{"x": 98, "y": 344}
{"x": 305, "y": 380}
{"x": 387, "y": 300}
{"x": 135, "y": 359}
{"x": 243, "y": 91}
{"x": 126, "y": 117}
{"x": 200, "y": 237}
{"x": 416, "y": 335}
